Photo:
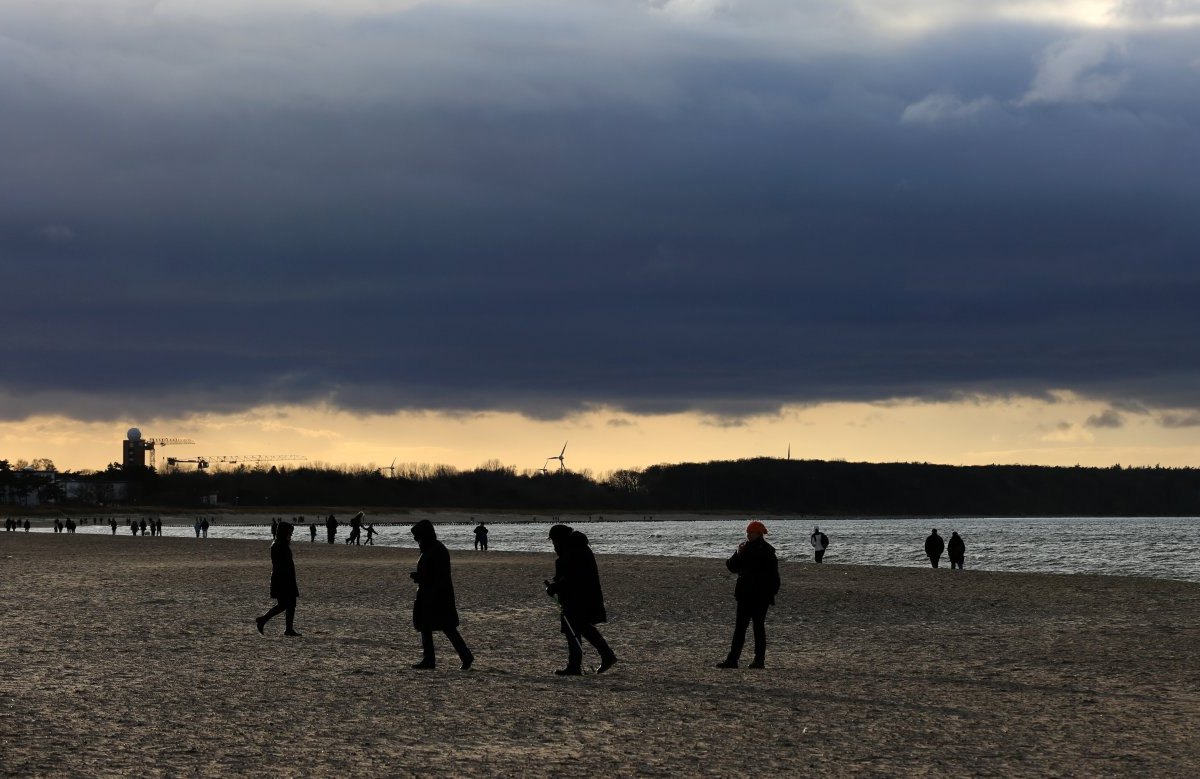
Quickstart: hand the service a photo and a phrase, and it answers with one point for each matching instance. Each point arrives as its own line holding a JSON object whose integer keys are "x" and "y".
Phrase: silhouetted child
{"x": 312, "y": 533}
{"x": 371, "y": 535}
{"x": 283, "y": 580}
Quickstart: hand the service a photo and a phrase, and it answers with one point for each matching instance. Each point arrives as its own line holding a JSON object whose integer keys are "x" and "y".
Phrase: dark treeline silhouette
{"x": 810, "y": 487}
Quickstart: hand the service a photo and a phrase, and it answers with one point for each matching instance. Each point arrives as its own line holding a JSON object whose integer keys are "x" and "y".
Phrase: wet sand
{"x": 138, "y": 657}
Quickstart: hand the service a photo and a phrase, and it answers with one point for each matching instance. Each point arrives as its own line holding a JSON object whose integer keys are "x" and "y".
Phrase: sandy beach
{"x": 139, "y": 657}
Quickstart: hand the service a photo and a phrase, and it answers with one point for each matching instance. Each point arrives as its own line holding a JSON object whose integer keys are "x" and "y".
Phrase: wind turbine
{"x": 543, "y": 470}
{"x": 391, "y": 468}
{"x": 561, "y": 465}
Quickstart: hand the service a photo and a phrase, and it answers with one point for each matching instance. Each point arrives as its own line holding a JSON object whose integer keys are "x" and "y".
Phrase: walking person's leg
{"x": 760, "y": 637}
{"x": 607, "y": 657}
{"x": 741, "y": 622}
{"x": 427, "y": 656}
{"x": 460, "y": 646}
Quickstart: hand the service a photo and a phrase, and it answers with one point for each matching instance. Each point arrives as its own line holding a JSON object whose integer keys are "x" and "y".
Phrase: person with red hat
{"x": 757, "y": 571}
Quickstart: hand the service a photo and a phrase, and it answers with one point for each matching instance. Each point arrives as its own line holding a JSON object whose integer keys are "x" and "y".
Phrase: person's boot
{"x": 426, "y": 664}
{"x": 261, "y": 623}
{"x": 758, "y": 663}
{"x": 570, "y": 670}
{"x": 292, "y": 632}
{"x": 467, "y": 661}
{"x": 607, "y": 662}
{"x": 728, "y": 662}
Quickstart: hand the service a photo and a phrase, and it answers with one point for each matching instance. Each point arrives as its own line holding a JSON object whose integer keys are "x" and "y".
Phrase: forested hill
{"x": 808, "y": 487}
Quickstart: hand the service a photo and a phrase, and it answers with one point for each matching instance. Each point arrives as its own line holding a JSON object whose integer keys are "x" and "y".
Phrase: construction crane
{"x": 203, "y": 462}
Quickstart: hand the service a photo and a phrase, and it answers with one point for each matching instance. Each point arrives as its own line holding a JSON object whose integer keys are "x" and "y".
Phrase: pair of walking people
{"x": 576, "y": 585}
{"x": 934, "y": 546}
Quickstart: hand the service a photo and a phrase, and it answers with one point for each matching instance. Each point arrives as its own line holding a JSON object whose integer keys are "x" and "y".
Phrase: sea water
{"x": 1159, "y": 547}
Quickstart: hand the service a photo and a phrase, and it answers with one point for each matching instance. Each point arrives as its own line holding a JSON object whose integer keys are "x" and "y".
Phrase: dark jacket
{"x": 957, "y": 548}
{"x": 283, "y": 572}
{"x": 434, "y": 607}
{"x": 934, "y": 546}
{"x": 757, "y": 570}
{"x": 577, "y": 581}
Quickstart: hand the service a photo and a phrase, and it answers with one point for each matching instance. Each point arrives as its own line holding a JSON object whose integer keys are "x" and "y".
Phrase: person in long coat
{"x": 576, "y": 584}
{"x": 934, "y": 546}
{"x": 434, "y": 608}
{"x": 957, "y": 550}
{"x": 757, "y": 571}
{"x": 283, "y": 581}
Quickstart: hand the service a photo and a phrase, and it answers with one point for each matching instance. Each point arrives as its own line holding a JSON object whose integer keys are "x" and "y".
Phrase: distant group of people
{"x": 956, "y": 549}
{"x": 154, "y": 526}
{"x": 12, "y": 525}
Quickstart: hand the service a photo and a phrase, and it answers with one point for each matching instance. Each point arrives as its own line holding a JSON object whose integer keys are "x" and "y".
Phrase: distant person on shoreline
{"x": 820, "y": 542}
{"x": 204, "y": 526}
{"x": 112, "y": 522}
{"x": 934, "y": 546}
{"x": 481, "y": 534}
{"x": 283, "y": 581}
{"x": 371, "y": 531}
{"x": 312, "y": 533}
{"x": 331, "y": 526}
{"x": 576, "y": 584}
{"x": 434, "y": 607}
{"x": 27, "y": 526}
{"x": 196, "y": 527}
{"x": 355, "y": 529}
{"x": 956, "y": 550}
{"x": 143, "y": 527}
{"x": 757, "y": 570}
{"x": 274, "y": 527}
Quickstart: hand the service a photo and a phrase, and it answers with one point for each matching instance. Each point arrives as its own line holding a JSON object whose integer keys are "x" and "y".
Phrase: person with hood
{"x": 434, "y": 608}
{"x": 331, "y": 526}
{"x": 957, "y": 551}
{"x": 820, "y": 542}
{"x": 934, "y": 546}
{"x": 576, "y": 584}
{"x": 355, "y": 529}
{"x": 757, "y": 571}
{"x": 283, "y": 580}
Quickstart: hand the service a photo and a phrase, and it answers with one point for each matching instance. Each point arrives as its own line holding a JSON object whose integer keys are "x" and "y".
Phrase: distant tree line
{"x": 806, "y": 487}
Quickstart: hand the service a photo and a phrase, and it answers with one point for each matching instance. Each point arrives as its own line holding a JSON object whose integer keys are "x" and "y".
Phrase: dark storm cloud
{"x": 546, "y": 209}
{"x": 1109, "y": 418}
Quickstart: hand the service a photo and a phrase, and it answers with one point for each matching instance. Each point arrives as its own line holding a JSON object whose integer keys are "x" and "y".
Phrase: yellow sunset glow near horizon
{"x": 1066, "y": 430}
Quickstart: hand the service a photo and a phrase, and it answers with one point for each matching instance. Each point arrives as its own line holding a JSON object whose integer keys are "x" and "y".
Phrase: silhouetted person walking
{"x": 355, "y": 529}
{"x": 481, "y": 534}
{"x": 956, "y": 550}
{"x": 312, "y": 533}
{"x": 757, "y": 571}
{"x": 204, "y": 526}
{"x": 934, "y": 545}
{"x": 112, "y": 523}
{"x": 274, "y": 528}
{"x": 820, "y": 542}
{"x": 576, "y": 584}
{"x": 434, "y": 608}
{"x": 283, "y": 580}
{"x": 371, "y": 535}
{"x": 331, "y": 526}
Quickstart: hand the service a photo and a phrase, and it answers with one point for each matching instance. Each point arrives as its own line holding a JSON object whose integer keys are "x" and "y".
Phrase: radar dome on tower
{"x": 134, "y": 434}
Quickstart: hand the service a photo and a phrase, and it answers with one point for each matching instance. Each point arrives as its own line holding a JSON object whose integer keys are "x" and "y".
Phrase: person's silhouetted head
{"x": 755, "y": 530}
{"x": 560, "y": 533}
{"x": 424, "y": 531}
{"x": 935, "y": 531}
{"x": 284, "y": 532}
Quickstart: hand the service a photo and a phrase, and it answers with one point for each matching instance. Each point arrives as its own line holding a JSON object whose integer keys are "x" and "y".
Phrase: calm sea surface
{"x": 1159, "y": 547}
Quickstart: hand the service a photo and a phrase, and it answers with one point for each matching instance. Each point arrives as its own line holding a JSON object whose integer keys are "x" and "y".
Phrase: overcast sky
{"x": 652, "y": 206}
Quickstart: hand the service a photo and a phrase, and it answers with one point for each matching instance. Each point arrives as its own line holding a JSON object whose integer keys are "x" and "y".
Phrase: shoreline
{"x": 870, "y": 670}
